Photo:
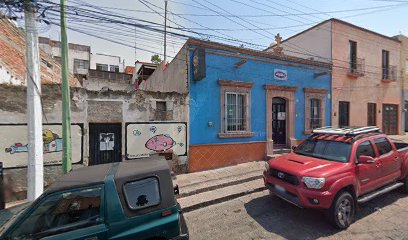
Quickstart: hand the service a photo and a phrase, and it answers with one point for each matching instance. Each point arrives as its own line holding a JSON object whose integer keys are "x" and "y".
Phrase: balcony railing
{"x": 357, "y": 67}
{"x": 389, "y": 73}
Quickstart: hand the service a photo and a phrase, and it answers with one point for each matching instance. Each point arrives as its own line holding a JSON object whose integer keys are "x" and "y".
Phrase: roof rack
{"x": 346, "y": 131}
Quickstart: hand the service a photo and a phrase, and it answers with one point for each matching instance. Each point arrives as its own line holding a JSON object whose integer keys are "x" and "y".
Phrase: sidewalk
{"x": 205, "y": 188}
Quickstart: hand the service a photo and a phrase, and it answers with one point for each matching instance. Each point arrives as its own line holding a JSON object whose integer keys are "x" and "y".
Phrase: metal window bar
{"x": 357, "y": 66}
{"x": 236, "y": 112}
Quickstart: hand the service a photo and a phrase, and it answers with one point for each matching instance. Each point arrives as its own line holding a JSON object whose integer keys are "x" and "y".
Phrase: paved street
{"x": 260, "y": 216}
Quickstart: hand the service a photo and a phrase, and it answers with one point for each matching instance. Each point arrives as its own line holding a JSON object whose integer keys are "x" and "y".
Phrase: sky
{"x": 253, "y": 23}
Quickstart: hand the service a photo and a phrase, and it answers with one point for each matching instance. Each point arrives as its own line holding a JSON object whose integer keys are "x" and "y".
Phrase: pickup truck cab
{"x": 126, "y": 200}
{"x": 335, "y": 169}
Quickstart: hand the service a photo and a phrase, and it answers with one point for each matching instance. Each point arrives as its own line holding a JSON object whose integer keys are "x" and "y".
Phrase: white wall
{"x": 315, "y": 43}
{"x": 106, "y": 59}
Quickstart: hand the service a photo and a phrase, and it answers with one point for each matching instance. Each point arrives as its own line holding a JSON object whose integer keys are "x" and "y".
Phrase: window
{"x": 371, "y": 114}
{"x": 102, "y": 67}
{"x": 365, "y": 149}
{"x": 235, "y": 109}
{"x": 81, "y": 64}
{"x": 314, "y": 108}
{"x": 327, "y": 150}
{"x": 315, "y": 115}
{"x": 161, "y": 106}
{"x": 344, "y": 111}
{"x": 383, "y": 146}
{"x": 142, "y": 193}
{"x": 114, "y": 68}
{"x": 236, "y": 112}
{"x": 406, "y": 66}
{"x": 385, "y": 64}
{"x": 353, "y": 56}
{"x": 73, "y": 210}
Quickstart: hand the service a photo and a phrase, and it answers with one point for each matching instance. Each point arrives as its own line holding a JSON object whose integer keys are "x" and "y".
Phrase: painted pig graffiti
{"x": 52, "y": 143}
{"x": 161, "y": 143}
{"x": 143, "y": 139}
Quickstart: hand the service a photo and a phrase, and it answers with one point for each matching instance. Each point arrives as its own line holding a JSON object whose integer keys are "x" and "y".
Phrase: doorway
{"x": 390, "y": 119}
{"x": 105, "y": 143}
{"x": 279, "y": 121}
{"x": 344, "y": 114}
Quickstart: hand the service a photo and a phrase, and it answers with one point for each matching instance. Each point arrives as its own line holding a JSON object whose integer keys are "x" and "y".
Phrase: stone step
{"x": 204, "y": 199}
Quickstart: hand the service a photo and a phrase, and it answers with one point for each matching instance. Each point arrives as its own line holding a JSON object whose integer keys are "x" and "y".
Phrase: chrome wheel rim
{"x": 344, "y": 212}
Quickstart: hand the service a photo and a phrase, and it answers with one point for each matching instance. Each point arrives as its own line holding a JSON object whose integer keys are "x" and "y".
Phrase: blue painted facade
{"x": 205, "y": 94}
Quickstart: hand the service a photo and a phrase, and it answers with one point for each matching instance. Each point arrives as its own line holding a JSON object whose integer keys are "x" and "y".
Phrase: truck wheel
{"x": 405, "y": 187}
{"x": 341, "y": 213}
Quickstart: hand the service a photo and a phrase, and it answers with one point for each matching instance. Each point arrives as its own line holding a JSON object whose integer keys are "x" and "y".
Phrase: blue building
{"x": 244, "y": 103}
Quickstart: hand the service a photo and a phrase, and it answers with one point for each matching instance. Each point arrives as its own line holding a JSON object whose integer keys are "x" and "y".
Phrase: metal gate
{"x": 105, "y": 143}
{"x": 344, "y": 114}
{"x": 390, "y": 119}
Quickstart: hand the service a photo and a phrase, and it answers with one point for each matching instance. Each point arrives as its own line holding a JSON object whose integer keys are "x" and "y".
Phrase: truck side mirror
{"x": 294, "y": 147}
{"x": 176, "y": 190}
{"x": 366, "y": 159}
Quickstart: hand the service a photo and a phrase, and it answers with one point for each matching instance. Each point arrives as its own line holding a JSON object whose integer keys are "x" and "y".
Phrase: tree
{"x": 155, "y": 59}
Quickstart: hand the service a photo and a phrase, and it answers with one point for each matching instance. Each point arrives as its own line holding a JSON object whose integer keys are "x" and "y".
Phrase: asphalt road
{"x": 261, "y": 216}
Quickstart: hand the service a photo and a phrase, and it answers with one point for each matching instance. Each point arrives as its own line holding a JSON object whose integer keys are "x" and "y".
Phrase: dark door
{"x": 105, "y": 143}
{"x": 371, "y": 114}
{"x": 344, "y": 114}
{"x": 390, "y": 119}
{"x": 406, "y": 115}
{"x": 279, "y": 120}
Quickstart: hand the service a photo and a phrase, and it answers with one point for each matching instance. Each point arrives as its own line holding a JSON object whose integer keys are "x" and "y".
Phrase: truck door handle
{"x": 378, "y": 164}
{"x": 396, "y": 159}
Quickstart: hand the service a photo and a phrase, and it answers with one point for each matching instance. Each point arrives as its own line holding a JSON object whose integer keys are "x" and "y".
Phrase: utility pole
{"x": 66, "y": 98}
{"x": 165, "y": 31}
{"x": 35, "y": 168}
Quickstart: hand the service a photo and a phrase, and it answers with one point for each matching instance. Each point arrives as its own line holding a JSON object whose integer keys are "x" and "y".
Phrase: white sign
{"x": 281, "y": 115}
{"x": 14, "y": 145}
{"x": 106, "y": 141}
{"x": 279, "y": 74}
{"x": 143, "y": 139}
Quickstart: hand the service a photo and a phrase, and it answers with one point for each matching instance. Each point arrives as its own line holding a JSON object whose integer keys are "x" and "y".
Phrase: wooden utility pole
{"x": 35, "y": 168}
{"x": 66, "y": 98}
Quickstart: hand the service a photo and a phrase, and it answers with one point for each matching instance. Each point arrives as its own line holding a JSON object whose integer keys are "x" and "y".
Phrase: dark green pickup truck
{"x": 126, "y": 200}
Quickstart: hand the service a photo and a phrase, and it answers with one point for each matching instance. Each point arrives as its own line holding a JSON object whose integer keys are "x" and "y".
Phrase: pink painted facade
{"x": 369, "y": 94}
{"x": 367, "y": 86}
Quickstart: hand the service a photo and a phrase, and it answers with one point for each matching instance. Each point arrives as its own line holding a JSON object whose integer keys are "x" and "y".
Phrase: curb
{"x": 223, "y": 199}
{"x": 211, "y": 188}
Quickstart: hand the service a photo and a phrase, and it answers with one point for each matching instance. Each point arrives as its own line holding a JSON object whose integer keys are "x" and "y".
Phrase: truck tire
{"x": 341, "y": 213}
{"x": 405, "y": 187}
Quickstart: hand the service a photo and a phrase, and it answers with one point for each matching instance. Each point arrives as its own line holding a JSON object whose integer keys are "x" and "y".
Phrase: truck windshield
{"x": 328, "y": 150}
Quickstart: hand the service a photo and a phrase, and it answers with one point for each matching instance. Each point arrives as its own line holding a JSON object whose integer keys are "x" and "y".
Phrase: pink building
{"x": 366, "y": 86}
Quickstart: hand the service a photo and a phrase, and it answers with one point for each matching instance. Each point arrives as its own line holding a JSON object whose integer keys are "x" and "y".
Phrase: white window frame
{"x": 245, "y": 108}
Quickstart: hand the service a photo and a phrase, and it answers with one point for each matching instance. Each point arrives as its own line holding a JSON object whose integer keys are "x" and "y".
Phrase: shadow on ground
{"x": 281, "y": 218}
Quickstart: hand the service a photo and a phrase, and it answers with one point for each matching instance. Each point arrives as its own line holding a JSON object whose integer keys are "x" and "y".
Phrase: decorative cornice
{"x": 280, "y": 88}
{"x": 315, "y": 90}
{"x": 230, "y": 83}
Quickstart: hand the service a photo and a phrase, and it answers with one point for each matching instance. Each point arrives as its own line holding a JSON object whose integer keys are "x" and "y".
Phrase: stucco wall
{"x": 173, "y": 79}
{"x": 314, "y": 43}
{"x": 87, "y": 106}
{"x": 106, "y": 59}
{"x": 368, "y": 88}
{"x": 205, "y": 95}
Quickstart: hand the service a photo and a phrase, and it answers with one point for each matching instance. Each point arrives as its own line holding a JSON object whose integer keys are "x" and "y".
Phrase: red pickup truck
{"x": 335, "y": 169}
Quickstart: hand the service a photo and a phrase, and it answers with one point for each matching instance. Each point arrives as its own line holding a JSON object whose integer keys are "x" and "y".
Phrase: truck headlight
{"x": 311, "y": 182}
{"x": 266, "y": 166}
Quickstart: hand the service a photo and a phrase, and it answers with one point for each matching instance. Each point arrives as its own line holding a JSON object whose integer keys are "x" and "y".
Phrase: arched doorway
{"x": 279, "y": 118}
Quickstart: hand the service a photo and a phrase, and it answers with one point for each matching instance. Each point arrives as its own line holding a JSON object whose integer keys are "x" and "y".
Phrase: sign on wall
{"x": 14, "y": 145}
{"x": 199, "y": 67}
{"x": 143, "y": 139}
{"x": 279, "y": 74}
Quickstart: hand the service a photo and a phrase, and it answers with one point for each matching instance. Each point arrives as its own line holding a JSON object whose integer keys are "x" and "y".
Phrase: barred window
{"x": 236, "y": 112}
{"x": 315, "y": 113}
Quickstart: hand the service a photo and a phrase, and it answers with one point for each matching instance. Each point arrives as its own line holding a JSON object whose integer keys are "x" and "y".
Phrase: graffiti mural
{"x": 143, "y": 139}
{"x": 14, "y": 144}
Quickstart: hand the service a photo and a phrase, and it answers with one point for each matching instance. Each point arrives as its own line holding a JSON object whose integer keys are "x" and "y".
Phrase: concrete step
{"x": 204, "y": 199}
{"x": 277, "y": 151}
{"x": 199, "y": 182}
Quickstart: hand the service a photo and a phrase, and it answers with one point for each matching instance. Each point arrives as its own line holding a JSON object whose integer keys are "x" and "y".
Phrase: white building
{"x": 106, "y": 62}
{"x": 78, "y": 55}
